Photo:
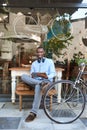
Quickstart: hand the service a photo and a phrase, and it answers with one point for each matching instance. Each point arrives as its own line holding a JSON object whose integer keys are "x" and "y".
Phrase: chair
{"x": 23, "y": 89}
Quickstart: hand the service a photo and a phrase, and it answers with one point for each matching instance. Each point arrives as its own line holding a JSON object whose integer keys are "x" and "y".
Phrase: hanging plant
{"x": 59, "y": 35}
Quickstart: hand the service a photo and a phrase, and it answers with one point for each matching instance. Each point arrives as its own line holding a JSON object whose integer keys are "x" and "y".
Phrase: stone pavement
{"x": 12, "y": 118}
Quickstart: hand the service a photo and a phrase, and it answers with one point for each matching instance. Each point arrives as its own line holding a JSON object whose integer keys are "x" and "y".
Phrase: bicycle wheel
{"x": 67, "y": 104}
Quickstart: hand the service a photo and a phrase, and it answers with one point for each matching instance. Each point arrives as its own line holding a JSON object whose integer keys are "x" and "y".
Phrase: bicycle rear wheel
{"x": 67, "y": 104}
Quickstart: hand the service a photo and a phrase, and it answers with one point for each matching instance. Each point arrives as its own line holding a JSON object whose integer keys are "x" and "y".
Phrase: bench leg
{"x": 50, "y": 102}
{"x": 20, "y": 102}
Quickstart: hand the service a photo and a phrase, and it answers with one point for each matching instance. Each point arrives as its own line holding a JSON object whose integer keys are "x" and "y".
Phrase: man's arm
{"x": 52, "y": 71}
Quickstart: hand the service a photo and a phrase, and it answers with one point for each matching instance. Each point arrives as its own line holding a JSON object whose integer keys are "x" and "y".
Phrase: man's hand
{"x": 43, "y": 75}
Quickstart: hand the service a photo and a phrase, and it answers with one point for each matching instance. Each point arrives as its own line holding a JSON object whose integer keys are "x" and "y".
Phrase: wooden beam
{"x": 50, "y": 5}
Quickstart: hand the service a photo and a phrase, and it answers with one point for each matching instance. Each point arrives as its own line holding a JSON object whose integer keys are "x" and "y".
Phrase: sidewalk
{"x": 12, "y": 118}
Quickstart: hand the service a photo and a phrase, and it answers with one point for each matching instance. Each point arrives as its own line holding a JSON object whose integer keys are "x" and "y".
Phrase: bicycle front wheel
{"x": 64, "y": 102}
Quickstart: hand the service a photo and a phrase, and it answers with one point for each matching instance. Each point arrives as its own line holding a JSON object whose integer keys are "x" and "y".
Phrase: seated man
{"x": 42, "y": 69}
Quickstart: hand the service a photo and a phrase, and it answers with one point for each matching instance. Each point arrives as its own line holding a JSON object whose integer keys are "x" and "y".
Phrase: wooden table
{"x": 19, "y": 71}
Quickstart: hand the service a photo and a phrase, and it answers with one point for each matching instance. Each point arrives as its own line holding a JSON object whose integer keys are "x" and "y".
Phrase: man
{"x": 42, "y": 70}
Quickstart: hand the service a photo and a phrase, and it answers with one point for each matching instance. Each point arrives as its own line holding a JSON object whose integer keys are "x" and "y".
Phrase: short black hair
{"x": 40, "y": 47}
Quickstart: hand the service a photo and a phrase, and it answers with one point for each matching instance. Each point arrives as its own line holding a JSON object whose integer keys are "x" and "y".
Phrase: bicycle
{"x": 72, "y": 103}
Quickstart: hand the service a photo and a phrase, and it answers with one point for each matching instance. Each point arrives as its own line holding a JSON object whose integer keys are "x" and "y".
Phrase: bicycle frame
{"x": 81, "y": 72}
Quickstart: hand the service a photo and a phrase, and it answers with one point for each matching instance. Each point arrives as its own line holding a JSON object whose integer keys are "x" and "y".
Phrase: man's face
{"x": 40, "y": 52}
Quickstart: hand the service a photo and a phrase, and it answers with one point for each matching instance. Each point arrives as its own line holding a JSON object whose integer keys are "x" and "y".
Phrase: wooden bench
{"x": 24, "y": 89}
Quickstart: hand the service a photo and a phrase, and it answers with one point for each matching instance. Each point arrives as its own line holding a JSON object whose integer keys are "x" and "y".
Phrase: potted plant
{"x": 77, "y": 59}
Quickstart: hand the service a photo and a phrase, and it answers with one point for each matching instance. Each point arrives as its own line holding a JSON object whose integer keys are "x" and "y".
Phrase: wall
{"x": 76, "y": 44}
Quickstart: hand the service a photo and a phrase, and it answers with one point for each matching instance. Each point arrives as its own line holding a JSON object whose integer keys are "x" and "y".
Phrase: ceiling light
{"x": 1, "y": 19}
{"x": 4, "y": 4}
{"x": 19, "y": 13}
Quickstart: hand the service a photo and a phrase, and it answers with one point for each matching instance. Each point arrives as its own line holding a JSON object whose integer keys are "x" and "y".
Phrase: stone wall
{"x": 76, "y": 44}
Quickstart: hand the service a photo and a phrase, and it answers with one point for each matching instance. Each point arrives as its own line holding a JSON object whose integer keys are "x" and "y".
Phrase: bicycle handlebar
{"x": 82, "y": 64}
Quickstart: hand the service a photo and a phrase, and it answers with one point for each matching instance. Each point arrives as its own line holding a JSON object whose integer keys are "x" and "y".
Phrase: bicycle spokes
{"x": 65, "y": 106}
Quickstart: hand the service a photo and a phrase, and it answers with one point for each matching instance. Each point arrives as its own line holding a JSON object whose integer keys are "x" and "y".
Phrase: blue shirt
{"x": 45, "y": 67}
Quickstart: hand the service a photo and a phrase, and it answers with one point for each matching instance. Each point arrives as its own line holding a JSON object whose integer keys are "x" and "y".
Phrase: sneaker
{"x": 31, "y": 117}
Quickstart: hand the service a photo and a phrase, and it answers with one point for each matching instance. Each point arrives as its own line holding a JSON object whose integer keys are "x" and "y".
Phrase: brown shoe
{"x": 31, "y": 117}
